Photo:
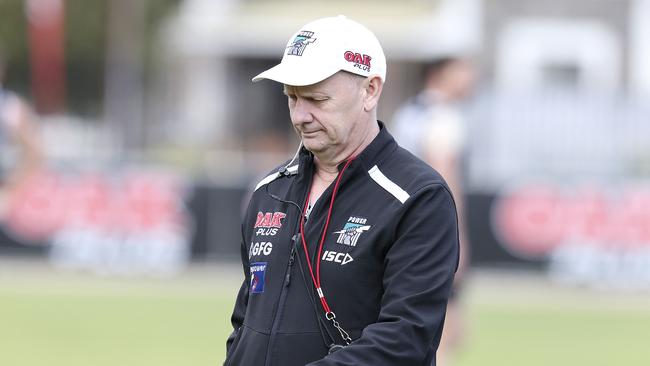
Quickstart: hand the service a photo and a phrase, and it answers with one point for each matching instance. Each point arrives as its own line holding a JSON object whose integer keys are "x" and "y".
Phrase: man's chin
{"x": 313, "y": 146}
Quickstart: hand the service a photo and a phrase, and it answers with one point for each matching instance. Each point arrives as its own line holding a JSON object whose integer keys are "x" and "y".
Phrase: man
{"x": 20, "y": 153}
{"x": 431, "y": 125}
{"x": 349, "y": 249}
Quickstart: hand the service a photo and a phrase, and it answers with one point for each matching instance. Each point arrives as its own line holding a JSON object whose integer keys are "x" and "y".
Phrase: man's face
{"x": 328, "y": 115}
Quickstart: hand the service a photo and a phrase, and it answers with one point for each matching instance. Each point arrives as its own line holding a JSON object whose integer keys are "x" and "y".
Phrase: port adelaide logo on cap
{"x": 302, "y": 40}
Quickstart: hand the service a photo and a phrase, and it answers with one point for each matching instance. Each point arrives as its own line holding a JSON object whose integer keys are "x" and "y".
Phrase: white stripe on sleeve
{"x": 388, "y": 184}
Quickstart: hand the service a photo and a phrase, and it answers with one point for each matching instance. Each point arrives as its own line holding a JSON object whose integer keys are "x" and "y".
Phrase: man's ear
{"x": 372, "y": 90}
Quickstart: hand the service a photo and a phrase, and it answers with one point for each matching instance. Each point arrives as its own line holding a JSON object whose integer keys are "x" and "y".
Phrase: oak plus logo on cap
{"x": 302, "y": 40}
{"x": 360, "y": 61}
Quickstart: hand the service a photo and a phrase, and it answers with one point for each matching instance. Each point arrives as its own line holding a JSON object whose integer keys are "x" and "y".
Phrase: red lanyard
{"x": 316, "y": 278}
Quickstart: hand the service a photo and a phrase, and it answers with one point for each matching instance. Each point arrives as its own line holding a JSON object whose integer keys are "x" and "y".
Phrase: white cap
{"x": 325, "y": 46}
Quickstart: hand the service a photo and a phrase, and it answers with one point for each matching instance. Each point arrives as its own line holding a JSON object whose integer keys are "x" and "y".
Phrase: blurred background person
{"x": 20, "y": 149}
{"x": 432, "y": 126}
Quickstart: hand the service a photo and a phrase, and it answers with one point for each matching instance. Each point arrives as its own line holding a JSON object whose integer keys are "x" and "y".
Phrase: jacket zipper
{"x": 287, "y": 281}
{"x": 281, "y": 302}
{"x": 292, "y": 258}
{"x": 275, "y": 324}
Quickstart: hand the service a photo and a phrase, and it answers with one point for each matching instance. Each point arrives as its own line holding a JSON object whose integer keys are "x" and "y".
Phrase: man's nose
{"x": 301, "y": 112}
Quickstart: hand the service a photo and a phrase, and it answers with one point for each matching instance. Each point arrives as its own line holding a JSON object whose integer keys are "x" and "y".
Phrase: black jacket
{"x": 388, "y": 262}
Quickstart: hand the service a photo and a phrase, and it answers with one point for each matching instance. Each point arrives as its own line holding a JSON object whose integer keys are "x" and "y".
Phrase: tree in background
{"x": 85, "y": 42}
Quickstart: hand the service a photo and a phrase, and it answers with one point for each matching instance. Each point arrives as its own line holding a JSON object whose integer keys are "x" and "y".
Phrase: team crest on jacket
{"x": 352, "y": 230}
{"x": 258, "y": 270}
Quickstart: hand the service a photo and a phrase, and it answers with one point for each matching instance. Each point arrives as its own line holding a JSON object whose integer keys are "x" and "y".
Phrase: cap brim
{"x": 296, "y": 74}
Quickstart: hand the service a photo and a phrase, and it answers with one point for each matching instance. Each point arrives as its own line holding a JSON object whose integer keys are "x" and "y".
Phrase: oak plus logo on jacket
{"x": 352, "y": 230}
{"x": 268, "y": 223}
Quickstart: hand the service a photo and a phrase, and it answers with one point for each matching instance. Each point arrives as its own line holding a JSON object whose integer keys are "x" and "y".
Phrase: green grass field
{"x": 52, "y": 318}
{"x": 556, "y": 327}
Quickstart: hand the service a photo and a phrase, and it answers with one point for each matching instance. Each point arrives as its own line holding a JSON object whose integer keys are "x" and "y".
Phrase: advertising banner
{"x": 583, "y": 233}
{"x": 123, "y": 223}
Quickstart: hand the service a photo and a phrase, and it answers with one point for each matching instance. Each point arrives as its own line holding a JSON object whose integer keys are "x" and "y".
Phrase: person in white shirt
{"x": 20, "y": 147}
{"x": 432, "y": 126}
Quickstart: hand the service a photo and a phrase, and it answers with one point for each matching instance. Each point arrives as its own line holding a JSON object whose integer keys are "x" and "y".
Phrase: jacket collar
{"x": 383, "y": 145}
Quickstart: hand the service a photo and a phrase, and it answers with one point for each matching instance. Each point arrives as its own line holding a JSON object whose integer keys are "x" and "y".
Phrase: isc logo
{"x": 261, "y": 248}
{"x": 342, "y": 258}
